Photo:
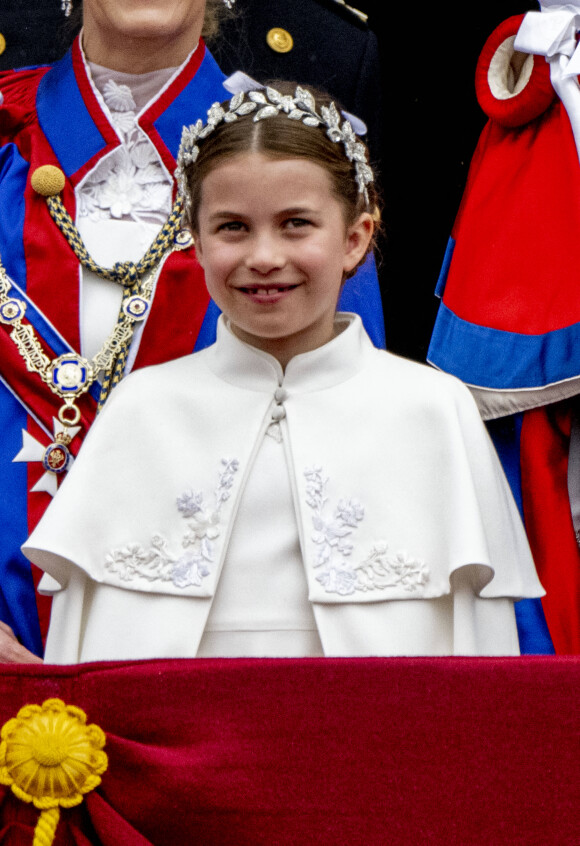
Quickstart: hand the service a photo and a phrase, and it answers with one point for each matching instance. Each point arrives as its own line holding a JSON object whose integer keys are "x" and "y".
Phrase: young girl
{"x": 290, "y": 491}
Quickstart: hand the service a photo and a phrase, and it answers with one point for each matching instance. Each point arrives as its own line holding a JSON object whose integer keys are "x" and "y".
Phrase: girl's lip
{"x": 266, "y": 293}
{"x": 266, "y": 289}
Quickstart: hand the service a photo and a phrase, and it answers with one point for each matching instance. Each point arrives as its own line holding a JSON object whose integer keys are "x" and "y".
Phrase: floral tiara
{"x": 268, "y": 103}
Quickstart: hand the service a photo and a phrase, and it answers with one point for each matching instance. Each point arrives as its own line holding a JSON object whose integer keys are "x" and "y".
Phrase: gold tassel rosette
{"x": 50, "y": 757}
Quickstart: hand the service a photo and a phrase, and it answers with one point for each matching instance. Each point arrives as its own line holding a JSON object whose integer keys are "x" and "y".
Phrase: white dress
{"x": 351, "y": 505}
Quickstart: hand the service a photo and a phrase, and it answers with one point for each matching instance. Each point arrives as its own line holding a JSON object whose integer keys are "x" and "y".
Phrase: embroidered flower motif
{"x": 331, "y": 534}
{"x": 350, "y": 512}
{"x": 157, "y": 563}
{"x": 133, "y": 561}
{"x": 120, "y": 193}
{"x": 118, "y": 97}
{"x": 190, "y": 570}
{"x": 141, "y": 158}
{"x": 189, "y": 503}
{"x": 315, "y": 487}
{"x": 338, "y": 578}
{"x": 124, "y": 122}
{"x": 50, "y": 757}
{"x": 383, "y": 569}
{"x": 205, "y": 528}
{"x": 333, "y": 538}
{"x": 226, "y": 479}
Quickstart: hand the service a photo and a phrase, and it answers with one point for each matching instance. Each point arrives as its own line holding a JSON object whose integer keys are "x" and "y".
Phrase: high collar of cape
{"x": 66, "y": 98}
{"x": 335, "y": 362}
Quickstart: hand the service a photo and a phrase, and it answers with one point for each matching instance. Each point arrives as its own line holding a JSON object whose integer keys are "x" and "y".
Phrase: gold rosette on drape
{"x": 50, "y": 757}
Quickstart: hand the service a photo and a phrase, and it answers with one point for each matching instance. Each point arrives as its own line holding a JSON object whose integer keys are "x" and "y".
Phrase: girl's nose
{"x": 265, "y": 253}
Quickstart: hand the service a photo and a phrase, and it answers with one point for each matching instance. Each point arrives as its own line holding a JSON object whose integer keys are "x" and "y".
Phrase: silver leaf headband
{"x": 268, "y": 103}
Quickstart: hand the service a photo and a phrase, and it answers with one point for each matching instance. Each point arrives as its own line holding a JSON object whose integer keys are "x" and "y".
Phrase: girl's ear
{"x": 197, "y": 244}
{"x": 358, "y": 238}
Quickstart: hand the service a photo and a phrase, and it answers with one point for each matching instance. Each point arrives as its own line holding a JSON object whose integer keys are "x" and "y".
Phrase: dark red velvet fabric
{"x": 322, "y": 751}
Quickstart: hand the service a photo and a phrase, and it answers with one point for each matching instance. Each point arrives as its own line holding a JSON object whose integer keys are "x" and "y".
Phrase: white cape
{"x": 401, "y": 504}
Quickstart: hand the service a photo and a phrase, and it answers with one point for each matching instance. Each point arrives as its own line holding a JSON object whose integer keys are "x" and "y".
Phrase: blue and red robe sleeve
{"x": 509, "y": 320}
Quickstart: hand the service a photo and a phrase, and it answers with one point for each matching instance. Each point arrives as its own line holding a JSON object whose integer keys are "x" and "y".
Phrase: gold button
{"x": 2, "y": 43}
{"x": 47, "y": 180}
{"x": 280, "y": 40}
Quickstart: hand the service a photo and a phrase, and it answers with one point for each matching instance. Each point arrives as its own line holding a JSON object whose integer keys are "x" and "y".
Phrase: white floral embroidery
{"x": 131, "y": 182}
{"x": 134, "y": 561}
{"x": 381, "y": 569}
{"x": 157, "y": 563}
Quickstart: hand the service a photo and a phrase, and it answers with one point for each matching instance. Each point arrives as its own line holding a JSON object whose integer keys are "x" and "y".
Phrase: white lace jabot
{"x": 124, "y": 201}
{"x": 131, "y": 183}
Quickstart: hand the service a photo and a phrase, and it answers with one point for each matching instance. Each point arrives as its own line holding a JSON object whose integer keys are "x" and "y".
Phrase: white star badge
{"x": 55, "y": 457}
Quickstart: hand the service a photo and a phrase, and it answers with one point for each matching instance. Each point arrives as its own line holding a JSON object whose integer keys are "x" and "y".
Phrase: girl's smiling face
{"x": 274, "y": 245}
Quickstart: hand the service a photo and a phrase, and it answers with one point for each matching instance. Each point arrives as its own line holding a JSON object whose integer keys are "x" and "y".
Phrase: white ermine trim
{"x": 501, "y": 75}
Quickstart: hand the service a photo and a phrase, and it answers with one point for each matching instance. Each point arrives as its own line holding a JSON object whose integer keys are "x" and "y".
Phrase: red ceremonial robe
{"x": 509, "y": 320}
{"x": 51, "y": 116}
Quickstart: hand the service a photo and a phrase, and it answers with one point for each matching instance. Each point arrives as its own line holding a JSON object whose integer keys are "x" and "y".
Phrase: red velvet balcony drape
{"x": 328, "y": 752}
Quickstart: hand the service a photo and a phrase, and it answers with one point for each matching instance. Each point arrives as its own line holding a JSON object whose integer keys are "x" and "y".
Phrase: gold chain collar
{"x": 71, "y": 375}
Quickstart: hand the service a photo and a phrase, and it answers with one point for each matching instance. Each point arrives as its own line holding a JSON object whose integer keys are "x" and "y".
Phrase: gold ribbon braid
{"x": 125, "y": 273}
{"x": 114, "y": 375}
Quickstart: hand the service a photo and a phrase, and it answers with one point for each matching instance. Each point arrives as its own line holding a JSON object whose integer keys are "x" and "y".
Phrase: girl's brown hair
{"x": 281, "y": 138}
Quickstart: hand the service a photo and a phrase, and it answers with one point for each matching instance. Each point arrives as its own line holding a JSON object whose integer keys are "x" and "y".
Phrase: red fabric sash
{"x": 318, "y": 752}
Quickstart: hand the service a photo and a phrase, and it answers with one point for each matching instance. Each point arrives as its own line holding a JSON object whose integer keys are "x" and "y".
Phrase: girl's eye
{"x": 297, "y": 223}
{"x": 231, "y": 226}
